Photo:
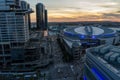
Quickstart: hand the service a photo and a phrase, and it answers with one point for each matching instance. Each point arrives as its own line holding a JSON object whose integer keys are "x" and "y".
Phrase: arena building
{"x": 92, "y": 35}
{"x": 85, "y": 37}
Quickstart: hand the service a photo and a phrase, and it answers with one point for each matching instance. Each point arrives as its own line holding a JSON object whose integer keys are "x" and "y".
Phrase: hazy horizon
{"x": 79, "y": 10}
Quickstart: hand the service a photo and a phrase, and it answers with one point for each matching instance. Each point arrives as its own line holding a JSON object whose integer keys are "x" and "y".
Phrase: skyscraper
{"x": 46, "y": 20}
{"x": 14, "y": 30}
{"x": 41, "y": 16}
{"x": 26, "y": 6}
{"x": 40, "y": 10}
{"x": 29, "y": 18}
{"x": 9, "y": 4}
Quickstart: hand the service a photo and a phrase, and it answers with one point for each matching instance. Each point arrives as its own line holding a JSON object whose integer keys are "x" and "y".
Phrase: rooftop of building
{"x": 70, "y": 43}
{"x": 18, "y": 6}
{"x": 83, "y": 32}
{"x": 107, "y": 56}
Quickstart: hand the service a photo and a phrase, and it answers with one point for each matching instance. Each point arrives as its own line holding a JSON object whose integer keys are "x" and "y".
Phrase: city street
{"x": 74, "y": 69}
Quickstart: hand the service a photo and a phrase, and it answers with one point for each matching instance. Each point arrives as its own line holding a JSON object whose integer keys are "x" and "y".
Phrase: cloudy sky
{"x": 80, "y": 10}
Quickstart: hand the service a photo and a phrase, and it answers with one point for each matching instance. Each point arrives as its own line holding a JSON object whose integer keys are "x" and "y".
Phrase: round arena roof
{"x": 96, "y": 31}
{"x": 89, "y": 32}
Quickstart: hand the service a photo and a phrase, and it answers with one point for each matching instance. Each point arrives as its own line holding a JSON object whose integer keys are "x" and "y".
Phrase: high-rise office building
{"x": 26, "y": 6}
{"x": 14, "y": 31}
{"x": 29, "y": 18}
{"x": 40, "y": 11}
{"x": 9, "y": 4}
{"x": 41, "y": 16}
{"x": 46, "y": 20}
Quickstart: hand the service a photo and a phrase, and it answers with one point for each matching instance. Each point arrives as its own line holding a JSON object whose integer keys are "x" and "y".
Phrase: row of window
{"x": 16, "y": 40}
{"x": 7, "y": 23}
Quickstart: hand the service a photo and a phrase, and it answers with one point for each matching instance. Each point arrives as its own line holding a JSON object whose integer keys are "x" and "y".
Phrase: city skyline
{"x": 79, "y": 10}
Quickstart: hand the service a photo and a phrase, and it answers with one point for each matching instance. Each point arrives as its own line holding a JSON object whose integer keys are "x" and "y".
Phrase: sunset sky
{"x": 79, "y": 10}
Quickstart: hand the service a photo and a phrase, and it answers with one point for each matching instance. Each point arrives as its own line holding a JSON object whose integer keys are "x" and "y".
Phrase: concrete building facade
{"x": 14, "y": 30}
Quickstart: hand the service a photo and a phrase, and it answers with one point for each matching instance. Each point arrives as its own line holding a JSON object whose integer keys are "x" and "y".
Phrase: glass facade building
{"x": 9, "y": 4}
{"x": 41, "y": 15}
{"x": 46, "y": 20}
{"x": 14, "y": 28}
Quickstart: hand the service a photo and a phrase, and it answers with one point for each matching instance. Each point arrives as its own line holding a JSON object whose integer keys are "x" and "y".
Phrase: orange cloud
{"x": 72, "y": 16}
{"x": 33, "y": 17}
